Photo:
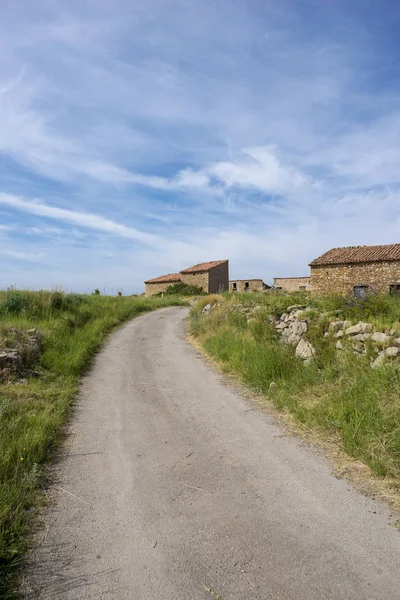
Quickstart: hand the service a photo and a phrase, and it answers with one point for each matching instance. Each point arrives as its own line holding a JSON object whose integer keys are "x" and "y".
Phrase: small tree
{"x": 96, "y": 292}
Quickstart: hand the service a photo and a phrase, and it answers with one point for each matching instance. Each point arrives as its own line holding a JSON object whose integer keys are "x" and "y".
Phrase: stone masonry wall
{"x": 255, "y": 285}
{"x": 219, "y": 279}
{"x": 213, "y": 281}
{"x": 198, "y": 279}
{"x": 342, "y": 278}
{"x": 156, "y": 288}
{"x": 292, "y": 284}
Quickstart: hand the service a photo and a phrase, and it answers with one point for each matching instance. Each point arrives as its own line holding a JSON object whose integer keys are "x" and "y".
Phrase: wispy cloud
{"x": 153, "y": 135}
{"x": 35, "y": 207}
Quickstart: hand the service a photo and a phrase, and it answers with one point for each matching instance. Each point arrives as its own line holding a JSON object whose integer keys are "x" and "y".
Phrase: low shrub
{"x": 183, "y": 289}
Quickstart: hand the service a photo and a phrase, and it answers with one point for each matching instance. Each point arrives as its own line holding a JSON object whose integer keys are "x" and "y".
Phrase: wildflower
{"x": 22, "y": 458}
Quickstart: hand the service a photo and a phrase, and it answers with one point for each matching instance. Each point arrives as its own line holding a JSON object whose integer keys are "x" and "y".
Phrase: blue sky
{"x": 137, "y": 138}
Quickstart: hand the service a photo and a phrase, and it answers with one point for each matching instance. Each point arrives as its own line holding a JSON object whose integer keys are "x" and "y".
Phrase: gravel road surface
{"x": 174, "y": 487}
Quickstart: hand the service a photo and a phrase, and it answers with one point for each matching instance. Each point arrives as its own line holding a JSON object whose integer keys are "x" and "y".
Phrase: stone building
{"x": 292, "y": 284}
{"x": 160, "y": 284}
{"x": 212, "y": 277}
{"x": 357, "y": 270}
{"x": 248, "y": 285}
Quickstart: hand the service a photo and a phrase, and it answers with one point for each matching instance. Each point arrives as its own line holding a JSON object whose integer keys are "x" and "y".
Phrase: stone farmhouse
{"x": 357, "y": 270}
{"x": 292, "y": 284}
{"x": 212, "y": 277}
{"x": 248, "y": 285}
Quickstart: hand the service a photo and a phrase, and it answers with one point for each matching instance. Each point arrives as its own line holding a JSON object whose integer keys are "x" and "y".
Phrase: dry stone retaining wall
{"x": 293, "y": 326}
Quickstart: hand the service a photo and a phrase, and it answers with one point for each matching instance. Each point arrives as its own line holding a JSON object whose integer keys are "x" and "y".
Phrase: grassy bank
{"x": 337, "y": 395}
{"x": 33, "y": 410}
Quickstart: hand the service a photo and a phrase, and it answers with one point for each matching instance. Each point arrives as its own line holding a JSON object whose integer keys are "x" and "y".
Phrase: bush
{"x": 14, "y": 303}
{"x": 182, "y": 289}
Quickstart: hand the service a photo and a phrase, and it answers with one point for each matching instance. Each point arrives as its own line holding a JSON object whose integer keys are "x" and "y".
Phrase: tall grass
{"x": 31, "y": 415}
{"x": 338, "y": 394}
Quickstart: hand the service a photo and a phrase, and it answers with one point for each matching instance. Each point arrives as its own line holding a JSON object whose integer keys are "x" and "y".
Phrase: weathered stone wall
{"x": 219, "y": 279}
{"x": 255, "y": 285}
{"x": 198, "y": 279}
{"x": 342, "y": 278}
{"x": 292, "y": 284}
{"x": 212, "y": 282}
{"x": 156, "y": 288}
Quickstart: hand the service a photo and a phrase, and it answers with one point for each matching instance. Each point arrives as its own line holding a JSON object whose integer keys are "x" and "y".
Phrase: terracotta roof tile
{"x": 206, "y": 266}
{"x": 170, "y": 278}
{"x": 358, "y": 254}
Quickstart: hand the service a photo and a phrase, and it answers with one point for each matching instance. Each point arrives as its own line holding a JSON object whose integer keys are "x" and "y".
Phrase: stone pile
{"x": 16, "y": 362}
{"x": 359, "y": 338}
{"x": 293, "y": 325}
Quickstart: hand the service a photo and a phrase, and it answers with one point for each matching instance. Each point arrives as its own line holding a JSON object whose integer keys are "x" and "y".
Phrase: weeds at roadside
{"x": 337, "y": 395}
{"x": 32, "y": 414}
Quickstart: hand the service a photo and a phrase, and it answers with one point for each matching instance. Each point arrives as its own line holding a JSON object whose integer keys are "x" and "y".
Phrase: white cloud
{"x": 77, "y": 218}
{"x": 182, "y": 131}
{"x": 18, "y": 255}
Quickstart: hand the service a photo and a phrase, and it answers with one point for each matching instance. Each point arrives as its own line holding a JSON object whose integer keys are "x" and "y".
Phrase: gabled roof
{"x": 202, "y": 267}
{"x": 170, "y": 278}
{"x": 358, "y": 254}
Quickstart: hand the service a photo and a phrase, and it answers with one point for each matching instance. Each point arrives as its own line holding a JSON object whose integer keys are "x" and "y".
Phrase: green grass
{"x": 32, "y": 415}
{"x": 338, "y": 395}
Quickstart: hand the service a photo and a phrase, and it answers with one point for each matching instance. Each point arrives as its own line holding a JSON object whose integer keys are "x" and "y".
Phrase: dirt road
{"x": 174, "y": 487}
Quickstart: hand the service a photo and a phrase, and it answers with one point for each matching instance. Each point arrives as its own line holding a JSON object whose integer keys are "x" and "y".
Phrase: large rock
{"x": 299, "y": 327}
{"x": 359, "y": 328}
{"x": 381, "y": 338}
{"x": 335, "y": 325}
{"x": 293, "y": 339}
{"x": 9, "y": 359}
{"x": 379, "y": 360}
{"x": 339, "y": 334}
{"x": 281, "y": 325}
{"x": 10, "y": 363}
{"x": 392, "y": 351}
{"x": 357, "y": 346}
{"x": 361, "y": 337}
{"x": 295, "y": 307}
{"x": 305, "y": 350}
{"x": 206, "y": 309}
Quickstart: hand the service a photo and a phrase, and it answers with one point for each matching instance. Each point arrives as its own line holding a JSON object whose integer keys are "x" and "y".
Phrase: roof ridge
{"x": 359, "y": 254}
{"x": 169, "y": 277}
{"x": 204, "y": 266}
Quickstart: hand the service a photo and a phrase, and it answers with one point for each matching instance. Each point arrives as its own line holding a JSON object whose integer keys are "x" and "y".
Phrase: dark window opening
{"x": 246, "y": 286}
{"x": 394, "y": 289}
{"x": 234, "y": 286}
{"x": 360, "y": 291}
{"x": 302, "y": 288}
